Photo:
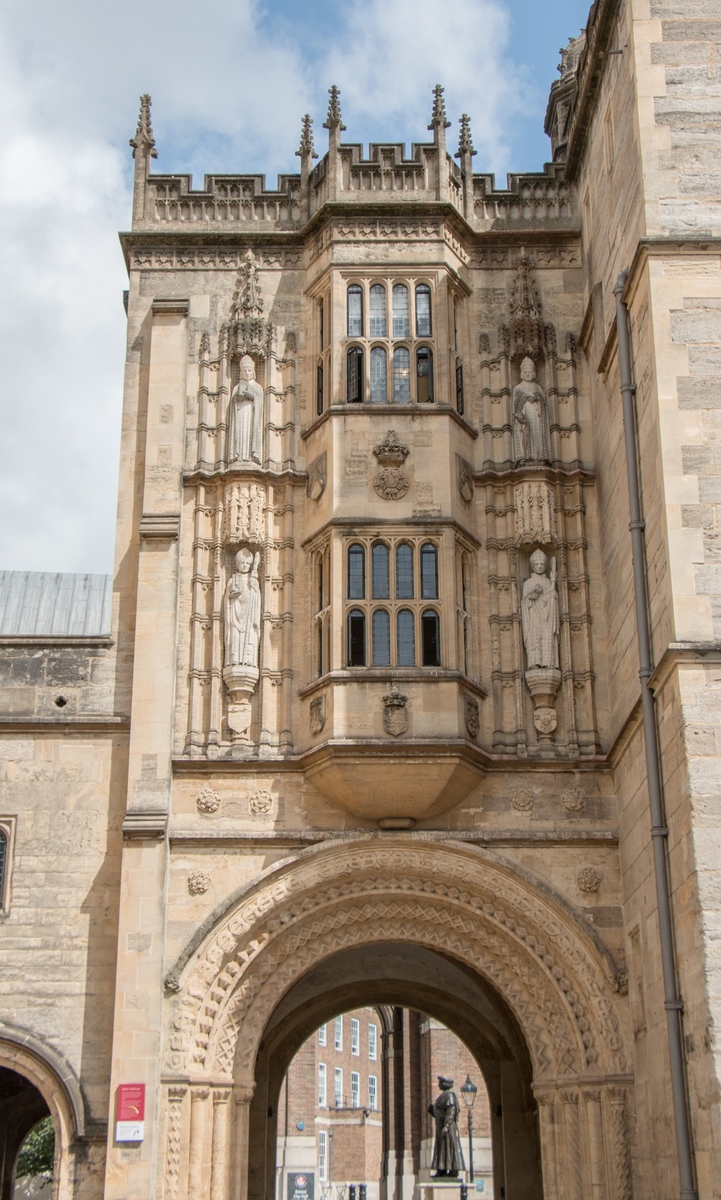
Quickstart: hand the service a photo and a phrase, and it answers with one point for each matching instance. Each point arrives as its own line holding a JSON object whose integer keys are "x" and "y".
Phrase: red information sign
{"x": 131, "y": 1102}
{"x": 130, "y": 1121}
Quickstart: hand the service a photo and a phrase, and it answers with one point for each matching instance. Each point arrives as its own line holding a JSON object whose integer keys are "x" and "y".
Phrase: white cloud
{"x": 229, "y": 85}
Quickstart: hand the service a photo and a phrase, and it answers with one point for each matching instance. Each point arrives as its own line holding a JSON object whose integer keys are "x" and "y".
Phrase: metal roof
{"x": 41, "y": 603}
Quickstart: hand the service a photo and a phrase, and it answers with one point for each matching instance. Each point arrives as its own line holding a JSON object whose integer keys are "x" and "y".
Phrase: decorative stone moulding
{"x": 391, "y": 482}
{"x": 261, "y": 803}
{"x": 316, "y": 714}
{"x": 198, "y": 882}
{"x": 207, "y": 801}
{"x": 241, "y": 682}
{"x": 535, "y": 515}
{"x": 573, "y": 800}
{"x": 395, "y": 714}
{"x": 380, "y": 783}
{"x": 244, "y": 515}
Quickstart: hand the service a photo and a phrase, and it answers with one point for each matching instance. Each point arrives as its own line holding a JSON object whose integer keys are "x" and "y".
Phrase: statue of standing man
{"x": 447, "y": 1149}
{"x": 242, "y": 612}
{"x": 531, "y": 435}
{"x": 245, "y": 417}
{"x": 539, "y": 614}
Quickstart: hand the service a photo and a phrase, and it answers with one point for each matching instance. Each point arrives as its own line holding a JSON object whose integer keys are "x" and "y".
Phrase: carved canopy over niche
{"x": 248, "y": 331}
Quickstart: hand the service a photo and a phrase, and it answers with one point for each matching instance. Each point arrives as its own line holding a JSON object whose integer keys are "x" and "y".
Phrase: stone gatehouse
{"x": 359, "y": 719}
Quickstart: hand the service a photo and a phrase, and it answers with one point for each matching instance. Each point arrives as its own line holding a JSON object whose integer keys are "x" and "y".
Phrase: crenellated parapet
{"x": 345, "y": 175}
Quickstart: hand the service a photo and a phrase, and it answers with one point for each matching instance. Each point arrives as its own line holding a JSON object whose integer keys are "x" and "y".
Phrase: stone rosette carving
{"x": 522, "y": 800}
{"x": 588, "y": 880}
{"x": 198, "y": 882}
{"x": 316, "y": 716}
{"x": 260, "y": 803}
{"x": 573, "y": 800}
{"x": 395, "y": 714}
{"x": 620, "y": 983}
{"x": 317, "y": 476}
{"x": 391, "y": 482}
{"x": 207, "y": 801}
{"x": 472, "y": 715}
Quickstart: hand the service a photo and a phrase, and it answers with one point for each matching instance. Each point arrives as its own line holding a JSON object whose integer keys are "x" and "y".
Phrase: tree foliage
{"x": 37, "y": 1153}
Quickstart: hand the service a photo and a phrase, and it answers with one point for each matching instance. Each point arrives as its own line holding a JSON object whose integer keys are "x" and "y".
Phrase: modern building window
{"x": 381, "y": 570}
{"x": 373, "y": 1042}
{"x": 401, "y": 321}
{"x": 423, "y": 310}
{"x": 378, "y": 324}
{"x": 356, "y": 638}
{"x": 339, "y": 1033}
{"x": 379, "y": 375}
{"x": 322, "y": 1085}
{"x": 323, "y": 1155}
{"x": 460, "y": 402}
{"x": 354, "y": 1036}
{"x": 406, "y": 638}
{"x": 424, "y": 375}
{"x": 357, "y": 573}
{"x": 338, "y": 1087}
{"x": 322, "y": 1034}
{"x": 404, "y": 572}
{"x": 355, "y": 1089}
{"x": 429, "y": 572}
{"x": 319, "y": 389}
{"x": 381, "y": 638}
{"x": 355, "y": 375}
{"x": 355, "y": 311}
{"x": 431, "y": 638}
{"x": 372, "y": 1092}
{"x": 401, "y": 375}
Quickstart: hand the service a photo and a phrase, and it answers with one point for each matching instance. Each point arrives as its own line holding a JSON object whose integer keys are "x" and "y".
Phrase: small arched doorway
{"x": 22, "y": 1106}
{"x": 396, "y": 975}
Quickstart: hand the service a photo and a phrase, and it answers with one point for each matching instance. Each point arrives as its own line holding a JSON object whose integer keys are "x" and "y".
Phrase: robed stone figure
{"x": 241, "y": 607}
{"x": 539, "y": 614}
{"x": 531, "y": 436}
{"x": 245, "y": 419}
{"x": 447, "y": 1149}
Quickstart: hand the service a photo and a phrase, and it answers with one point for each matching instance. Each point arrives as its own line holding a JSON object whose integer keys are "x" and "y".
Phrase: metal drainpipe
{"x": 659, "y": 833}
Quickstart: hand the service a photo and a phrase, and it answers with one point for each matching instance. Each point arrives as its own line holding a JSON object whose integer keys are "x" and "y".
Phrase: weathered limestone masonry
{"x": 365, "y": 727}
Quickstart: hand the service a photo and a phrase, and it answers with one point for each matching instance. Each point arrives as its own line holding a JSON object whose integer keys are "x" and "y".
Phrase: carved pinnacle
{"x": 144, "y": 140}
{"x": 334, "y": 119}
{"x": 307, "y": 148}
{"x": 439, "y": 110}
{"x": 465, "y": 142}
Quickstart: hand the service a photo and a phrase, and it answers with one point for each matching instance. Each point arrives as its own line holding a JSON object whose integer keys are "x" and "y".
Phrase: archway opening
{"x": 22, "y": 1108}
{"x": 356, "y": 1116}
{"x": 394, "y": 978}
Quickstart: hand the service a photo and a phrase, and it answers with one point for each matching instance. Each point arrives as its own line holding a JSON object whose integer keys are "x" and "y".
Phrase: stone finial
{"x": 439, "y": 119}
{"x": 144, "y": 140}
{"x": 465, "y": 142}
{"x": 334, "y": 119}
{"x": 306, "y": 149}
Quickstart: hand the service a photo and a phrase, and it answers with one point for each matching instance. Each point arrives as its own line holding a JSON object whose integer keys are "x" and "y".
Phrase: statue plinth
{"x": 241, "y": 682}
{"x": 543, "y": 683}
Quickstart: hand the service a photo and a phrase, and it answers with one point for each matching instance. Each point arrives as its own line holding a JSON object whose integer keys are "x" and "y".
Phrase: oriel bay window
{"x": 388, "y": 365}
{"x": 401, "y": 631}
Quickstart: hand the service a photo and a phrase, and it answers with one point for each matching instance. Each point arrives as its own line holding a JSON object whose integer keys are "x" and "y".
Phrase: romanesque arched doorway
{"x": 454, "y": 930}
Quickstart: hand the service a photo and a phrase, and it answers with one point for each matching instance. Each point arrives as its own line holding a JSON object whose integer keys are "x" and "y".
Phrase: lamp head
{"x": 468, "y": 1092}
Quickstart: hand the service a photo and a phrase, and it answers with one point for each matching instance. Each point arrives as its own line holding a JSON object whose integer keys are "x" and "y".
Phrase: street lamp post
{"x": 468, "y": 1092}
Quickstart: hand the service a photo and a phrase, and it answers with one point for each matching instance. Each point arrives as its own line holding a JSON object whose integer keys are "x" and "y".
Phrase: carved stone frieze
{"x": 535, "y": 512}
{"x": 244, "y": 516}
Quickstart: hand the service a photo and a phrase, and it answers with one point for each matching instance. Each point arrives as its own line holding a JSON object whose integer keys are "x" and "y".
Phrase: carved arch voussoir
{"x": 540, "y": 960}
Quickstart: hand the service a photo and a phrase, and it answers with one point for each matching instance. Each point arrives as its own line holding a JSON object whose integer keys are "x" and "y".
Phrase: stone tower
{"x": 367, "y": 725}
